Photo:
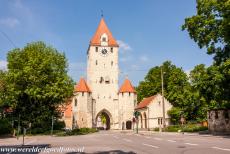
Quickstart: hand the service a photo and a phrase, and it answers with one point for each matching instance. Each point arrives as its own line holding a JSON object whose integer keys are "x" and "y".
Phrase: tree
{"x": 177, "y": 88}
{"x": 175, "y": 83}
{"x": 103, "y": 120}
{"x": 37, "y": 82}
{"x": 212, "y": 85}
{"x": 3, "y": 91}
{"x": 175, "y": 114}
{"x": 210, "y": 28}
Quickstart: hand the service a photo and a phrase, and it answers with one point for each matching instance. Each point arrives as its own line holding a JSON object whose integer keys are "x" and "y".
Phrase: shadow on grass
{"x": 22, "y": 149}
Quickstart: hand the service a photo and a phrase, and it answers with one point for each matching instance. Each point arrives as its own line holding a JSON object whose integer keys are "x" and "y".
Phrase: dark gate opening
{"x": 128, "y": 124}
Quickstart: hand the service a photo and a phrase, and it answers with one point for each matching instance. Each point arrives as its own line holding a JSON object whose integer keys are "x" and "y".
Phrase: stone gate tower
{"x": 102, "y": 72}
{"x": 100, "y": 97}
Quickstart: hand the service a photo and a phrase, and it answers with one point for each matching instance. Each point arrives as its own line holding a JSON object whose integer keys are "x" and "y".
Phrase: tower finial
{"x": 102, "y": 14}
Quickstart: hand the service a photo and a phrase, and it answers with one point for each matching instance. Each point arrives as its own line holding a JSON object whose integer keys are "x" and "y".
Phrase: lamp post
{"x": 162, "y": 93}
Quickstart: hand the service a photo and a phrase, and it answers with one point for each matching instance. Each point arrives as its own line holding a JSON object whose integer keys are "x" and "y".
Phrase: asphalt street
{"x": 116, "y": 142}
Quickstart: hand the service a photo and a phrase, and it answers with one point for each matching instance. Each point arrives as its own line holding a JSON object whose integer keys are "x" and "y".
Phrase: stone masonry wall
{"x": 219, "y": 121}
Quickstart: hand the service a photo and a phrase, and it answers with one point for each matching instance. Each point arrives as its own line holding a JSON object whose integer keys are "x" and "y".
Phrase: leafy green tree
{"x": 103, "y": 120}
{"x": 3, "y": 91}
{"x": 37, "y": 82}
{"x": 212, "y": 85}
{"x": 210, "y": 28}
{"x": 175, "y": 114}
{"x": 175, "y": 83}
{"x": 177, "y": 88}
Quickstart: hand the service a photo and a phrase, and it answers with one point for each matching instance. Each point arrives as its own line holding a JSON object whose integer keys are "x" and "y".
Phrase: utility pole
{"x": 18, "y": 126}
{"x": 52, "y": 127}
{"x": 162, "y": 93}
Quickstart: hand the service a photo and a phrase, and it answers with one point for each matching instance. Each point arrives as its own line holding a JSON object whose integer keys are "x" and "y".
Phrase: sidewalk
{"x": 145, "y": 132}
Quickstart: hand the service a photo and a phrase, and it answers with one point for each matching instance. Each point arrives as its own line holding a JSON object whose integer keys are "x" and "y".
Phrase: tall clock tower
{"x": 102, "y": 72}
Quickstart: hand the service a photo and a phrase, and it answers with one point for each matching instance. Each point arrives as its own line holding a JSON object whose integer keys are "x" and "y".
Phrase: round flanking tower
{"x": 82, "y": 106}
{"x": 127, "y": 102}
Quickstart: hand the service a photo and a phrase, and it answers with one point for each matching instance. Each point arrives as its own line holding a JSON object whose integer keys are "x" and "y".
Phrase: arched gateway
{"x": 103, "y": 119}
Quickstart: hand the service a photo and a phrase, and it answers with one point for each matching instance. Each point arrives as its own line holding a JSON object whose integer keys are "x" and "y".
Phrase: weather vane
{"x": 102, "y": 13}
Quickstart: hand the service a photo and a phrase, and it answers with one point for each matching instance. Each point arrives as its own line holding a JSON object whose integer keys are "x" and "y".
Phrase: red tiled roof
{"x": 82, "y": 86}
{"x": 127, "y": 87}
{"x": 101, "y": 29}
{"x": 145, "y": 102}
{"x": 68, "y": 110}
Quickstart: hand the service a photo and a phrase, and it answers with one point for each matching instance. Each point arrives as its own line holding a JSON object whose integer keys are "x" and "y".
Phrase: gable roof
{"x": 82, "y": 86}
{"x": 145, "y": 102}
{"x": 101, "y": 29}
{"x": 127, "y": 87}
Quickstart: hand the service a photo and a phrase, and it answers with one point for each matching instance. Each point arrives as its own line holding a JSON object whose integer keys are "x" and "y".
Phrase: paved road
{"x": 106, "y": 142}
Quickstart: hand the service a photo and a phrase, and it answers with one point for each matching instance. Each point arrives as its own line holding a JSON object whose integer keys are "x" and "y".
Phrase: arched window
{"x": 111, "y": 50}
{"x": 101, "y": 79}
{"x": 75, "y": 102}
{"x": 96, "y": 49}
{"x": 104, "y": 39}
{"x": 96, "y": 62}
{"x": 111, "y": 63}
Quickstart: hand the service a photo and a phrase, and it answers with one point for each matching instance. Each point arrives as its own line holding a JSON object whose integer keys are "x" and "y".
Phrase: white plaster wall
{"x": 104, "y": 94}
{"x": 155, "y": 111}
{"x": 126, "y": 107}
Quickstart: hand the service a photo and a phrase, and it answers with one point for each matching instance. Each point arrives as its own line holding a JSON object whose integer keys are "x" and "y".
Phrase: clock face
{"x": 104, "y": 52}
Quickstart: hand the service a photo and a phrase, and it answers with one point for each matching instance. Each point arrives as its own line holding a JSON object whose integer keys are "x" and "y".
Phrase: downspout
{"x": 148, "y": 119}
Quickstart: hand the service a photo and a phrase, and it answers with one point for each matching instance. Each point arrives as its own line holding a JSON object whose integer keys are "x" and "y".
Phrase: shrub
{"x": 59, "y": 125}
{"x": 173, "y": 128}
{"x": 186, "y": 128}
{"x": 175, "y": 114}
{"x": 81, "y": 131}
{"x": 5, "y": 127}
{"x": 156, "y": 129}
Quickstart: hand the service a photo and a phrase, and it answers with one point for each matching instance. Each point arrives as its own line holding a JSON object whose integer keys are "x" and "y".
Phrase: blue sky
{"x": 149, "y": 31}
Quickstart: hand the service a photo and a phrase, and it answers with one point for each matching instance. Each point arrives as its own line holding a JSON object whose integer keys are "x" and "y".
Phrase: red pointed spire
{"x": 101, "y": 29}
{"x": 82, "y": 86}
{"x": 127, "y": 87}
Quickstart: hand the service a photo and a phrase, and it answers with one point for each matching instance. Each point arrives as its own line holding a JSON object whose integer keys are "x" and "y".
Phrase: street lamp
{"x": 162, "y": 93}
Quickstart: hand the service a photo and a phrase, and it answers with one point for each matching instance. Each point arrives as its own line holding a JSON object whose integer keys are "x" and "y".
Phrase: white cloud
{"x": 124, "y": 46}
{"x": 144, "y": 58}
{"x": 9, "y": 22}
{"x": 3, "y": 65}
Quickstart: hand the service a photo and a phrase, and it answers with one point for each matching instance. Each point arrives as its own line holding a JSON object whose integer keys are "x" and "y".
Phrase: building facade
{"x": 151, "y": 112}
{"x": 98, "y": 101}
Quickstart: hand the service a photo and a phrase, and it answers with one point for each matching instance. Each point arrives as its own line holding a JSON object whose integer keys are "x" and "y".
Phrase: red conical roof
{"x": 82, "y": 86}
{"x": 101, "y": 29}
{"x": 127, "y": 87}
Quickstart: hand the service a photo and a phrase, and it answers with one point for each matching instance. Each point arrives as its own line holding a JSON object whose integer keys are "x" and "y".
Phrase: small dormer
{"x": 104, "y": 39}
